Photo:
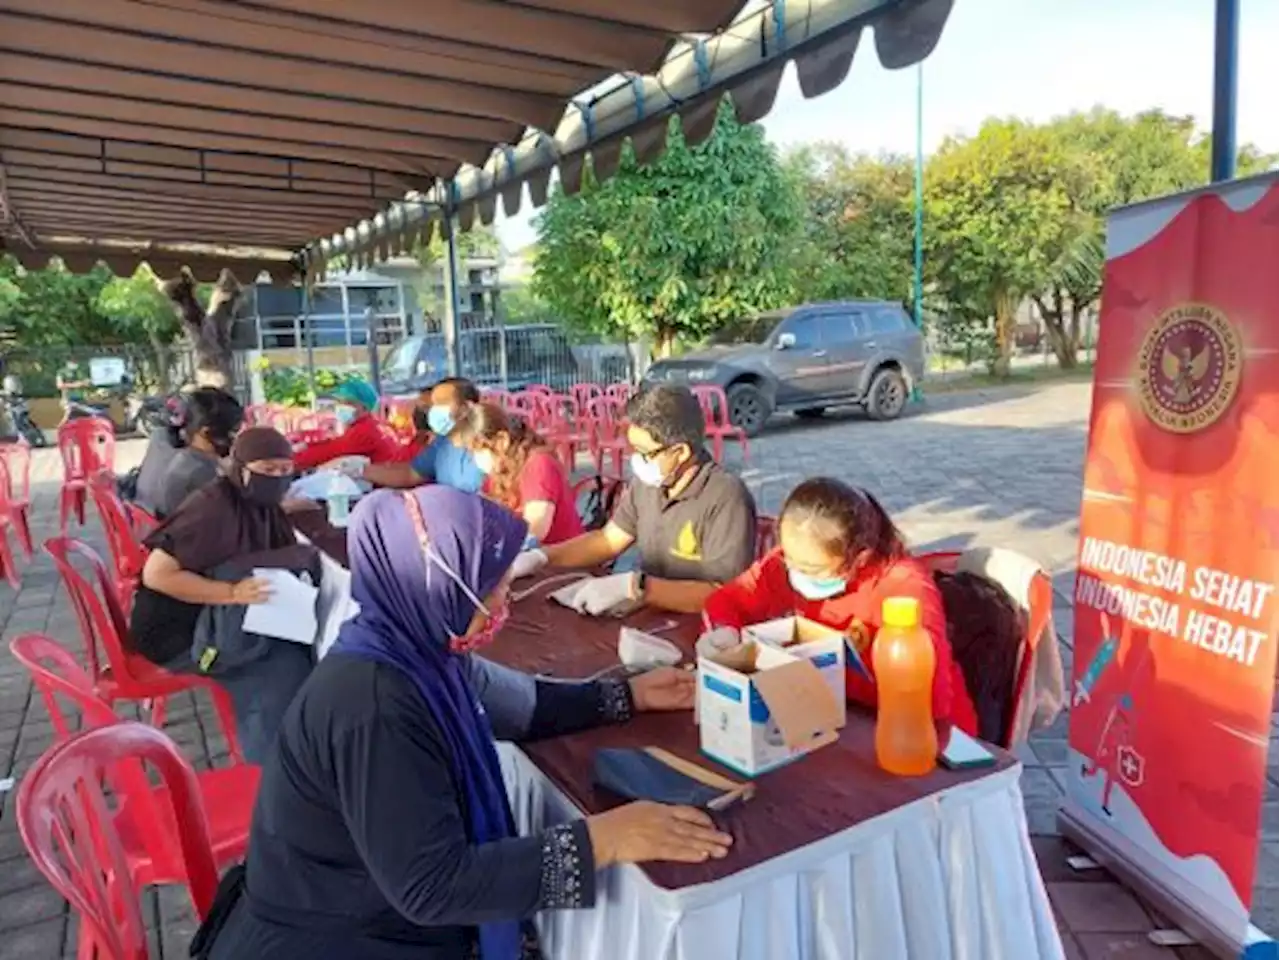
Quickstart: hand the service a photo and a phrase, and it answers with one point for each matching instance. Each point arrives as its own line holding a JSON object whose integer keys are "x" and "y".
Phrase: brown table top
{"x": 826, "y": 792}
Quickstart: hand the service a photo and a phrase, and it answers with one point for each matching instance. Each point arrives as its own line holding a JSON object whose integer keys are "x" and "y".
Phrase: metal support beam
{"x": 1226, "y": 61}
{"x": 452, "y": 306}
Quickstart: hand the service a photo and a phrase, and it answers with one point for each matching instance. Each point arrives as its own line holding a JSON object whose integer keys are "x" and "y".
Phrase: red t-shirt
{"x": 365, "y": 436}
{"x": 544, "y": 479}
{"x": 764, "y": 593}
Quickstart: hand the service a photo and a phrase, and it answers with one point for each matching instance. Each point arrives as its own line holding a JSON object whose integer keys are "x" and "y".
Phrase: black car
{"x": 509, "y": 358}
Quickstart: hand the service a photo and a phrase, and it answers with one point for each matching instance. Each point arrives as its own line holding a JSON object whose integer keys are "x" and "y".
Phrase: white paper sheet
{"x": 289, "y": 614}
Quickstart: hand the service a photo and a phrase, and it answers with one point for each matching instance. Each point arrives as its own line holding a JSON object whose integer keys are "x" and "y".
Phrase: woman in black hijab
{"x": 236, "y": 515}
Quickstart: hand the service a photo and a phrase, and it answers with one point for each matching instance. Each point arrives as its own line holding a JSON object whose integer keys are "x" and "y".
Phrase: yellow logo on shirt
{"x": 686, "y": 547}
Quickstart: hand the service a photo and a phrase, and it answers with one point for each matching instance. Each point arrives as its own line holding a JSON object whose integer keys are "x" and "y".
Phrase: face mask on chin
{"x": 264, "y": 490}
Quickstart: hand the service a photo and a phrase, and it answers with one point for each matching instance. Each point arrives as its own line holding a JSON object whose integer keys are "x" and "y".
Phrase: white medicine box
{"x": 802, "y": 637}
{"x": 759, "y": 707}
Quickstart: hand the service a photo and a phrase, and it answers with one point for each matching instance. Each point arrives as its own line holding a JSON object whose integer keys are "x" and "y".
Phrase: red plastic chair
{"x": 538, "y": 388}
{"x": 16, "y": 457}
{"x": 620, "y": 392}
{"x": 1039, "y": 606}
{"x": 8, "y": 566}
{"x": 608, "y": 437}
{"x": 127, "y": 553}
{"x": 715, "y": 410}
{"x": 584, "y": 393}
{"x": 766, "y": 535}
{"x": 317, "y": 426}
{"x": 88, "y": 447}
{"x": 141, "y": 521}
{"x": 229, "y": 792}
{"x": 126, "y": 676}
{"x": 65, "y": 820}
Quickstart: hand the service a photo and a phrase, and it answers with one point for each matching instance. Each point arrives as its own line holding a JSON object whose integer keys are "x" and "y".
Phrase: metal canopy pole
{"x": 452, "y": 308}
{"x": 1226, "y": 60}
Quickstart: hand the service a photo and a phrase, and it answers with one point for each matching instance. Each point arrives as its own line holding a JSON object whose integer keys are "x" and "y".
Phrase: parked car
{"x": 536, "y": 353}
{"x": 807, "y": 358}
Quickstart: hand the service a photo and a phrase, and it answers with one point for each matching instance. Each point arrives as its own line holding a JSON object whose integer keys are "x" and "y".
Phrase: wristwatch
{"x": 639, "y": 580}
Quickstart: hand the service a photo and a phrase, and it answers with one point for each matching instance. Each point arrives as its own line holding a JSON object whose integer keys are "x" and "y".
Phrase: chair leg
{"x": 7, "y": 566}
{"x": 157, "y": 710}
{"x": 22, "y": 524}
{"x": 80, "y": 499}
{"x": 64, "y": 509}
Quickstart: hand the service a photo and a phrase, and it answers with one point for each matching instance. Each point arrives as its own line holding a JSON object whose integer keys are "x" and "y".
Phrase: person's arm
{"x": 163, "y": 574}
{"x": 678, "y": 596}
{"x": 317, "y": 454}
{"x": 396, "y": 475}
{"x": 760, "y": 593}
{"x": 542, "y": 484}
{"x": 591, "y": 549}
{"x": 399, "y": 800}
{"x": 521, "y": 707}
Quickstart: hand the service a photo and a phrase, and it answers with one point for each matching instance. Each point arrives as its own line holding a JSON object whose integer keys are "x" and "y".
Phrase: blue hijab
{"x": 410, "y": 609}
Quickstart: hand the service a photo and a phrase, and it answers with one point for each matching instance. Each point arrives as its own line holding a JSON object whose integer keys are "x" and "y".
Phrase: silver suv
{"x": 807, "y": 358}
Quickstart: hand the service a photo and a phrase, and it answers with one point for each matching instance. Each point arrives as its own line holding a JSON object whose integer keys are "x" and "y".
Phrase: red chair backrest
{"x": 323, "y": 425}
{"x": 606, "y": 415}
{"x": 141, "y": 521}
{"x": 766, "y": 535}
{"x": 714, "y": 403}
{"x": 538, "y": 388}
{"x": 55, "y": 672}
{"x": 584, "y": 393}
{"x": 16, "y": 457}
{"x": 622, "y": 392}
{"x": 66, "y": 822}
{"x": 258, "y": 414}
{"x": 96, "y": 604}
{"x": 87, "y": 446}
{"x": 122, "y": 539}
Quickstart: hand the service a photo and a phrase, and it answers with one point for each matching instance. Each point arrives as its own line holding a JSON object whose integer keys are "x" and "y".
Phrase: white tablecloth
{"x": 949, "y": 877}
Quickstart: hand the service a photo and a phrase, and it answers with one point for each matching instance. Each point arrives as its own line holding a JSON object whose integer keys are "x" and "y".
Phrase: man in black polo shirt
{"x": 693, "y": 522}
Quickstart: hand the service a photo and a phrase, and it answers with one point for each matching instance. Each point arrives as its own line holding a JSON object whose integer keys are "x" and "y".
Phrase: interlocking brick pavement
{"x": 998, "y": 467}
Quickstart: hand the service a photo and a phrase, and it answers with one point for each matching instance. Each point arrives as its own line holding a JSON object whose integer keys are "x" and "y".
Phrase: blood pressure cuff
{"x": 639, "y": 775}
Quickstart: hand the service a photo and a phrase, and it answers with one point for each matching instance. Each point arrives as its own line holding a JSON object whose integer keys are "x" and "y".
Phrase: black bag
{"x": 636, "y": 775}
{"x": 230, "y": 890}
{"x": 601, "y": 499}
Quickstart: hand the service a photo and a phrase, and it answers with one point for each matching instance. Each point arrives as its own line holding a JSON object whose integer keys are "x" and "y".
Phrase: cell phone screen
{"x": 964, "y": 751}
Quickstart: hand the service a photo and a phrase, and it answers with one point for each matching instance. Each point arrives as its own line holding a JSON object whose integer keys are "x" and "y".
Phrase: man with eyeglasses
{"x": 692, "y": 521}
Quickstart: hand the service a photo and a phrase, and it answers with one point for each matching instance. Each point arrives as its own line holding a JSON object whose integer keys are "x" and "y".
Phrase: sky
{"x": 1033, "y": 59}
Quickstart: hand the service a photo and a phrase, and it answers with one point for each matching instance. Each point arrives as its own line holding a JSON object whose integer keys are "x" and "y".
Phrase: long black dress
{"x": 359, "y": 845}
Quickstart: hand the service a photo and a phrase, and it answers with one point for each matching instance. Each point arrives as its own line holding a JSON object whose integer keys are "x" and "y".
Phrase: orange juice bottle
{"x": 903, "y": 659}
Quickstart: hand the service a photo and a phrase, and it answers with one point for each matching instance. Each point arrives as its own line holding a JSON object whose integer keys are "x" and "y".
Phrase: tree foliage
{"x": 677, "y": 247}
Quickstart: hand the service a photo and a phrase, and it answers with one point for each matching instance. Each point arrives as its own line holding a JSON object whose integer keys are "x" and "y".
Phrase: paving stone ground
{"x": 999, "y": 468}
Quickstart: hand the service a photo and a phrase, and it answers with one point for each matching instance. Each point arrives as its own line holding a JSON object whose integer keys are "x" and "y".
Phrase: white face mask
{"x": 646, "y": 471}
{"x": 484, "y": 461}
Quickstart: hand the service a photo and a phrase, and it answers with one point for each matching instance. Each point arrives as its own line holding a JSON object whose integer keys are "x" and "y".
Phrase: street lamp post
{"x": 918, "y": 278}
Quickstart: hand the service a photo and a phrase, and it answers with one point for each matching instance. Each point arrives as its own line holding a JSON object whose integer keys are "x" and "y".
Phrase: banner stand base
{"x": 1080, "y": 828}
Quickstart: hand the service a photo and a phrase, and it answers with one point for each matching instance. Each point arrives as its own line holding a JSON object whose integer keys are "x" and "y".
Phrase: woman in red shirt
{"x": 840, "y": 558}
{"x": 522, "y": 473}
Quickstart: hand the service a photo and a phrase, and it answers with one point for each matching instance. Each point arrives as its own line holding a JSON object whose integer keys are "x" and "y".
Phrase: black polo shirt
{"x": 707, "y": 532}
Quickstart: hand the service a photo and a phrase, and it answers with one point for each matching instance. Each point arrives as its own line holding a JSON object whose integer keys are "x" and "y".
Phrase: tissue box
{"x": 801, "y": 637}
{"x": 759, "y": 707}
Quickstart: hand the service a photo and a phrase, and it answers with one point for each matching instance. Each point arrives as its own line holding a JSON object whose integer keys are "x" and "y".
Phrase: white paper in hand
{"x": 639, "y": 649}
{"x": 289, "y": 613}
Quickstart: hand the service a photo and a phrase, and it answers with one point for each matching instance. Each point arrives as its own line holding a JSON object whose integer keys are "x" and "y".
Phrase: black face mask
{"x": 266, "y": 491}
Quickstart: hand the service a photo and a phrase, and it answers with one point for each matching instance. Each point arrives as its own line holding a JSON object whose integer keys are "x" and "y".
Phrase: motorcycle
{"x": 142, "y": 414}
{"x": 18, "y": 415}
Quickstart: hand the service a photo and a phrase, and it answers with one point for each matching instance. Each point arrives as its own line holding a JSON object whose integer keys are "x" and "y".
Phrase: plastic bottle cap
{"x": 900, "y": 612}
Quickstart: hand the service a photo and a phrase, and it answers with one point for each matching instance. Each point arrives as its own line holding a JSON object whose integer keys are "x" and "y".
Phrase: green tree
{"x": 858, "y": 225}
{"x": 998, "y": 216}
{"x": 678, "y": 247}
{"x": 140, "y": 312}
{"x": 54, "y": 307}
{"x": 479, "y": 241}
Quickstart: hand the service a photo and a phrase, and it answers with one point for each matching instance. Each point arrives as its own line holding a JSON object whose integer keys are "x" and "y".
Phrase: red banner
{"x": 1175, "y": 598}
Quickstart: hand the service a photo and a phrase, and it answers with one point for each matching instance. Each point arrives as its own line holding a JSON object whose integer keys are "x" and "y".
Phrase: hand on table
{"x": 250, "y": 591}
{"x": 602, "y": 594}
{"x": 643, "y": 831}
{"x": 664, "y": 688}
{"x": 718, "y": 639}
{"x": 527, "y": 563}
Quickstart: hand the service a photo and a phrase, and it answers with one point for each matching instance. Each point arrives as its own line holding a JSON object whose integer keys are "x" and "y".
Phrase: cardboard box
{"x": 822, "y": 646}
{"x": 760, "y": 707}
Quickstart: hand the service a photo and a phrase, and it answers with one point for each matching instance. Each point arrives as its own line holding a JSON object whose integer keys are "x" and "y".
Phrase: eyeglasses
{"x": 652, "y": 454}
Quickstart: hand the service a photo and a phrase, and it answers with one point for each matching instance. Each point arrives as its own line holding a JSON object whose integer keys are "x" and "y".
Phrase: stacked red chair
{"x": 228, "y": 792}
{"x": 715, "y": 410}
{"x": 16, "y": 508}
{"x": 87, "y": 447}
{"x": 608, "y": 432}
{"x": 65, "y": 816}
{"x": 124, "y": 676}
{"x": 123, "y": 539}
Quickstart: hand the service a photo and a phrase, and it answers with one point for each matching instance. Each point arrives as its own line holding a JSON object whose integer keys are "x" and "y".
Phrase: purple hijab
{"x": 409, "y": 611}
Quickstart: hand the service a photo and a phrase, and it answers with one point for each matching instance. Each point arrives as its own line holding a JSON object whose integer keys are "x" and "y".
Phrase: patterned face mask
{"x": 494, "y": 619}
